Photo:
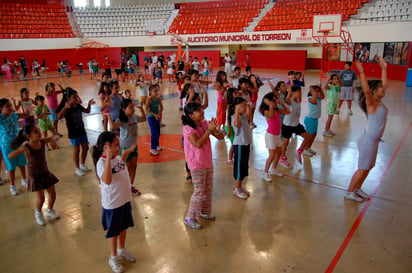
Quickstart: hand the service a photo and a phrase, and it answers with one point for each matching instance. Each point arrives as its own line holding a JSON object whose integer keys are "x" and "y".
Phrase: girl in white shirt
{"x": 114, "y": 179}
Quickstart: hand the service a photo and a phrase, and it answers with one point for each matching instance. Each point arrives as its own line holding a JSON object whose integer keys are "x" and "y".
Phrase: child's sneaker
{"x": 52, "y": 214}
{"x": 307, "y": 153}
{"x": 276, "y": 172}
{"x": 246, "y": 192}
{"x": 159, "y": 148}
{"x": 350, "y": 113}
{"x": 154, "y": 152}
{"x": 135, "y": 191}
{"x": 362, "y": 194}
{"x": 209, "y": 217}
{"x": 298, "y": 154}
{"x": 38, "y": 215}
{"x": 283, "y": 162}
{"x": 84, "y": 168}
{"x": 24, "y": 183}
{"x": 311, "y": 151}
{"x": 13, "y": 190}
{"x": 239, "y": 193}
{"x": 353, "y": 196}
{"x": 79, "y": 172}
{"x": 266, "y": 177}
{"x": 332, "y": 132}
{"x": 115, "y": 264}
{"x": 126, "y": 255}
{"x": 193, "y": 223}
{"x": 328, "y": 133}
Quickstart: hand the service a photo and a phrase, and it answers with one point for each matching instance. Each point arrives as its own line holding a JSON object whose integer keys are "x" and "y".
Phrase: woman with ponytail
{"x": 116, "y": 196}
{"x": 9, "y": 128}
{"x": 370, "y": 101}
{"x": 198, "y": 153}
{"x": 30, "y": 142}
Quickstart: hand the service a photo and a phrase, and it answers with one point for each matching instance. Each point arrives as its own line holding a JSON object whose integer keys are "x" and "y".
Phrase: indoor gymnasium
{"x": 206, "y": 136}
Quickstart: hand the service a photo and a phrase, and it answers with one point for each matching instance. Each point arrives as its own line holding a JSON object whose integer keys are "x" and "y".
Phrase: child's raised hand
{"x": 107, "y": 150}
{"x": 382, "y": 62}
{"x": 91, "y": 102}
{"x": 13, "y": 99}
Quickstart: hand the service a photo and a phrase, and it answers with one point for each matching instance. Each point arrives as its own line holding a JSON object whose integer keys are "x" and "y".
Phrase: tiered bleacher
{"x": 34, "y": 21}
{"x": 292, "y": 14}
{"x": 216, "y": 16}
{"x": 383, "y": 11}
{"x": 122, "y": 20}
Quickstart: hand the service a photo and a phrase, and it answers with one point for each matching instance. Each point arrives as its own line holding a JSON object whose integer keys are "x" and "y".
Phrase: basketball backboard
{"x": 329, "y": 25}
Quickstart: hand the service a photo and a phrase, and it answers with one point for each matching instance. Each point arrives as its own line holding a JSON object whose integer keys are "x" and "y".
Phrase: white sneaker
{"x": 239, "y": 193}
{"x": 209, "y": 217}
{"x": 84, "y": 168}
{"x": 307, "y": 153}
{"x": 159, "y": 148}
{"x": 14, "y": 191}
{"x": 38, "y": 215}
{"x": 337, "y": 112}
{"x": 126, "y": 255}
{"x": 79, "y": 172}
{"x": 350, "y": 113}
{"x": 154, "y": 152}
{"x": 362, "y": 194}
{"x": 328, "y": 134}
{"x": 353, "y": 196}
{"x": 311, "y": 151}
{"x": 276, "y": 172}
{"x": 24, "y": 183}
{"x": 266, "y": 177}
{"x": 52, "y": 214}
{"x": 115, "y": 264}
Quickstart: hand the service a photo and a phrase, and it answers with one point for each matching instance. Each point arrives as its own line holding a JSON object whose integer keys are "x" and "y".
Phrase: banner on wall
{"x": 376, "y": 50}
{"x": 287, "y": 36}
{"x": 362, "y": 51}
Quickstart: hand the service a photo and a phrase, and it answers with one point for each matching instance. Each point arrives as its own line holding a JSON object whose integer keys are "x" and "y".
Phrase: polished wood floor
{"x": 298, "y": 223}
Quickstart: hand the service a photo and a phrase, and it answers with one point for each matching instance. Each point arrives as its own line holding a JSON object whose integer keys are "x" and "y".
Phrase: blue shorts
{"x": 116, "y": 220}
{"x": 79, "y": 140}
{"x": 53, "y": 115}
{"x": 311, "y": 125}
{"x": 206, "y": 73}
{"x": 12, "y": 164}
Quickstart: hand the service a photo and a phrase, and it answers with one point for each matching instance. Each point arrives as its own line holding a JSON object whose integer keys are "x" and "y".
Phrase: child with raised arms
{"x": 53, "y": 103}
{"x": 71, "y": 109}
{"x": 315, "y": 97}
{"x": 128, "y": 124}
{"x": 30, "y": 142}
{"x": 241, "y": 144}
{"x": 9, "y": 128}
{"x": 269, "y": 108}
{"x": 332, "y": 88}
{"x": 292, "y": 126}
{"x": 116, "y": 196}
{"x": 198, "y": 154}
{"x": 370, "y": 101}
{"x": 27, "y": 105}
{"x": 42, "y": 113}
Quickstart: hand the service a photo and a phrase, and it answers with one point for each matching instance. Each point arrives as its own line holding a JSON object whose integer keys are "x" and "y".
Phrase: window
{"x": 80, "y": 3}
{"x": 107, "y": 3}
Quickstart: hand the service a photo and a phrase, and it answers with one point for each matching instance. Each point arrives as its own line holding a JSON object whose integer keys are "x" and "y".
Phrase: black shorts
{"x": 241, "y": 161}
{"x": 288, "y": 131}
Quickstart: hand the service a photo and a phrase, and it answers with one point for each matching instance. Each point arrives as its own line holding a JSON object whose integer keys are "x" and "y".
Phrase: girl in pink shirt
{"x": 269, "y": 108}
{"x": 198, "y": 153}
{"x": 53, "y": 103}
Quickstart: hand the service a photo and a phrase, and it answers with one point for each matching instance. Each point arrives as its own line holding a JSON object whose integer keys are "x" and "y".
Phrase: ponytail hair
{"x": 97, "y": 150}
{"x": 185, "y": 90}
{"x": 22, "y": 136}
{"x": 189, "y": 109}
{"x": 123, "y": 105}
{"x": 263, "y": 106}
{"x": 67, "y": 93}
{"x": 373, "y": 85}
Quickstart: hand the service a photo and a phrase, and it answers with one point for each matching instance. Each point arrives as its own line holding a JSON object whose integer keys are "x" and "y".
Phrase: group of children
{"x": 115, "y": 153}
{"x": 281, "y": 109}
